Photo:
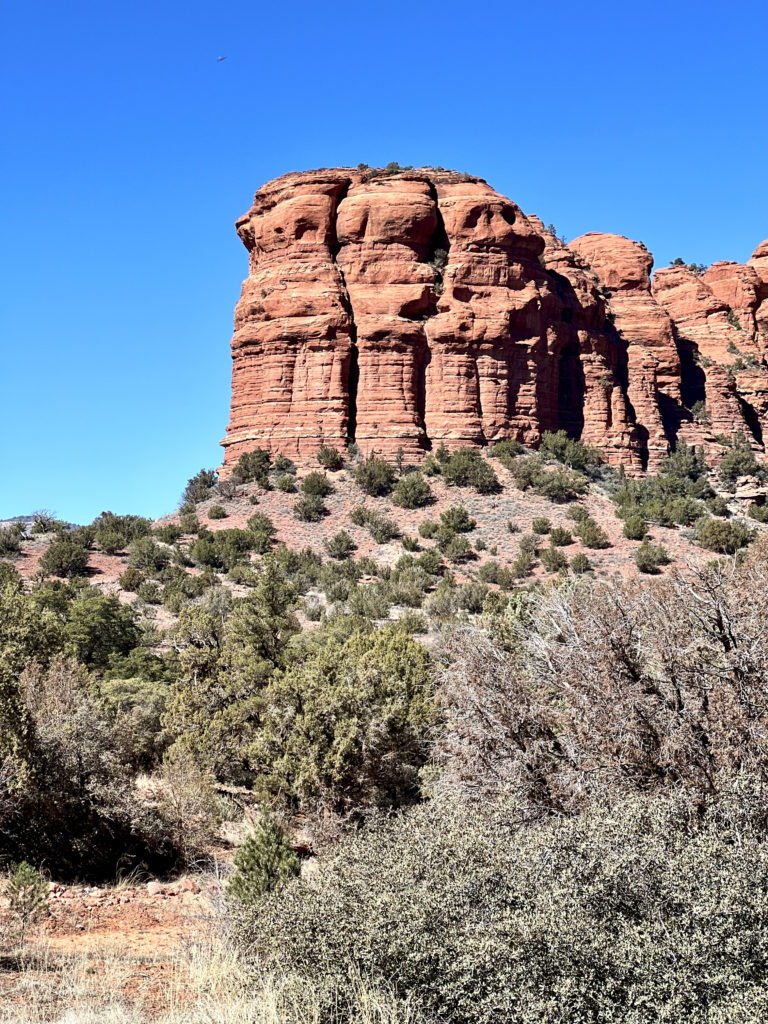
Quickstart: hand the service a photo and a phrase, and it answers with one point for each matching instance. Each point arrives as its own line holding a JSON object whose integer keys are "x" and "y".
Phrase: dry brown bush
{"x": 611, "y": 688}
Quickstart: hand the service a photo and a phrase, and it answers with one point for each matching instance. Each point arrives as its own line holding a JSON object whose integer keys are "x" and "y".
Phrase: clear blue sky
{"x": 128, "y": 152}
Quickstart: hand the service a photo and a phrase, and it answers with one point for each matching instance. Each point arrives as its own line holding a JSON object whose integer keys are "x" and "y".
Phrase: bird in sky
{"x": 220, "y": 59}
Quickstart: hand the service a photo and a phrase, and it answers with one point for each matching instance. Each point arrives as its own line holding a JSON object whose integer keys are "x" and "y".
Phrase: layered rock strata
{"x": 402, "y": 311}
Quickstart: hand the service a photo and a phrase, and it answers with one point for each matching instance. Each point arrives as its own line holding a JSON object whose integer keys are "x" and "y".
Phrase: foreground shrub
{"x": 738, "y": 461}
{"x": 591, "y": 534}
{"x": 572, "y": 453}
{"x": 647, "y": 685}
{"x": 635, "y": 914}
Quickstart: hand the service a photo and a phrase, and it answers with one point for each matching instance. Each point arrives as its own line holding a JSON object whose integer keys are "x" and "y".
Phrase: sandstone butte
{"x": 404, "y": 310}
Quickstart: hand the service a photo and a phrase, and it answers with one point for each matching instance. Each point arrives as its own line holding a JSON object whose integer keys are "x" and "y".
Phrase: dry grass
{"x": 205, "y": 983}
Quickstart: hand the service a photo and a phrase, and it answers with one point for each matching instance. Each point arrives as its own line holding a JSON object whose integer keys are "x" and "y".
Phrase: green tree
{"x": 375, "y": 476}
{"x": 346, "y": 724}
{"x": 64, "y": 557}
{"x": 412, "y": 491}
{"x": 264, "y": 863}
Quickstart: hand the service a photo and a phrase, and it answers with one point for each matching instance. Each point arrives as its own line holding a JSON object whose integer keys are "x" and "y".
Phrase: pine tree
{"x": 263, "y": 863}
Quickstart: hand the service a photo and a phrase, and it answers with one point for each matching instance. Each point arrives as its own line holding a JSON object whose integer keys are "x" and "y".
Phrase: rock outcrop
{"x": 404, "y": 310}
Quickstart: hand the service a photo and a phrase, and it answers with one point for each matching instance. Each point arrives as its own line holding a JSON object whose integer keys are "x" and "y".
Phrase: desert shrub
{"x": 672, "y": 498}
{"x": 286, "y": 483}
{"x": 188, "y": 804}
{"x": 431, "y": 467}
{"x": 146, "y": 554}
{"x": 64, "y": 557}
{"x": 591, "y": 534}
{"x": 199, "y": 486}
{"x": 471, "y": 596}
{"x": 27, "y": 893}
{"x": 557, "y": 485}
{"x": 97, "y": 628}
{"x": 114, "y": 533}
{"x": 149, "y": 592}
{"x": 724, "y": 537}
{"x": 370, "y": 602}
{"x": 560, "y": 537}
{"x": 572, "y": 453}
{"x": 512, "y": 526}
{"x": 134, "y": 707}
{"x": 409, "y": 543}
{"x": 718, "y": 506}
{"x": 601, "y": 691}
{"x": 457, "y": 549}
{"x": 758, "y": 512}
{"x": 505, "y": 449}
{"x": 580, "y": 563}
{"x": 431, "y": 562}
{"x": 329, "y": 458}
{"x": 264, "y": 863}
{"x": 577, "y": 512}
{"x": 553, "y": 559}
{"x": 44, "y": 521}
{"x": 340, "y": 546}
{"x": 467, "y": 468}
{"x": 428, "y": 529}
{"x": 310, "y": 509}
{"x": 522, "y": 564}
{"x": 738, "y": 461}
{"x": 633, "y": 914}
{"x": 262, "y": 530}
{"x": 375, "y": 476}
{"x": 254, "y": 466}
{"x": 217, "y": 512}
{"x": 226, "y": 548}
{"x": 381, "y": 527}
{"x": 282, "y": 464}
{"x": 529, "y": 543}
{"x": 9, "y": 576}
{"x": 635, "y": 527}
{"x": 317, "y": 483}
{"x": 541, "y": 525}
{"x": 366, "y": 710}
{"x": 10, "y": 541}
{"x": 412, "y": 491}
{"x": 188, "y": 520}
{"x": 650, "y": 557}
{"x": 168, "y": 534}
{"x": 457, "y": 519}
{"x": 78, "y": 812}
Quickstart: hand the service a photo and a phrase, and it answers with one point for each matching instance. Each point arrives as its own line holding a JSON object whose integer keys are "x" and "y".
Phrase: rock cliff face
{"x": 405, "y": 310}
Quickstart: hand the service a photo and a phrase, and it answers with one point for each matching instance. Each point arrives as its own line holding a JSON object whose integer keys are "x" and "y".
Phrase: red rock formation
{"x": 405, "y": 310}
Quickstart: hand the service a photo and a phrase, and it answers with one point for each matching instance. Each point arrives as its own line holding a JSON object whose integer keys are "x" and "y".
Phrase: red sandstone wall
{"x": 401, "y": 311}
